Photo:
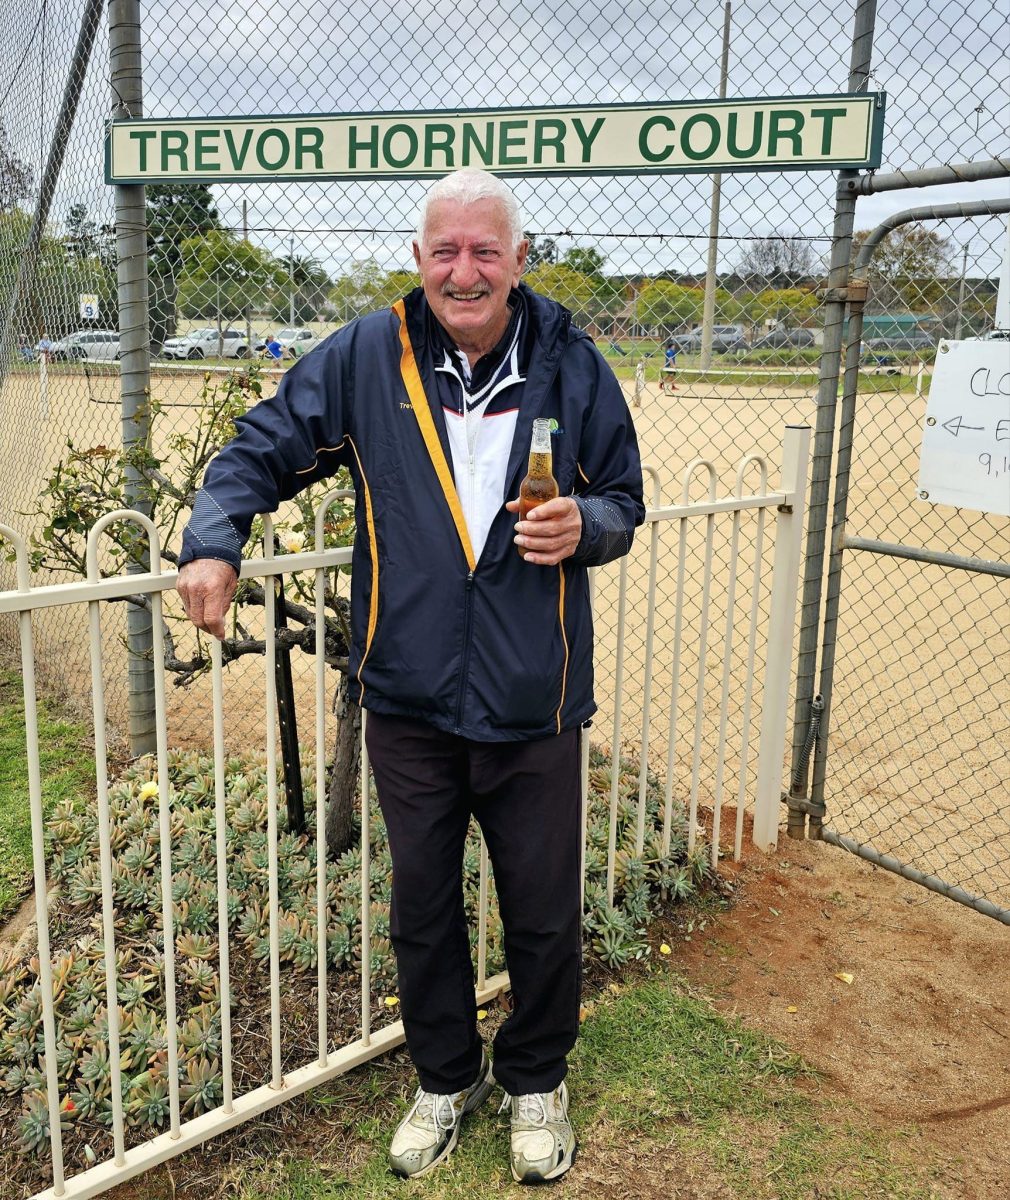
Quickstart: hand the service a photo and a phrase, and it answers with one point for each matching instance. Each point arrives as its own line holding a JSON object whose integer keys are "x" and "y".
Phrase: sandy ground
{"x": 921, "y": 722}
{"x": 918, "y": 1040}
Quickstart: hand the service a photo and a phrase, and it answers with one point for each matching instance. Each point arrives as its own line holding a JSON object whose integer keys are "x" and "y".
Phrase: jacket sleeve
{"x": 283, "y": 444}
{"x": 609, "y": 489}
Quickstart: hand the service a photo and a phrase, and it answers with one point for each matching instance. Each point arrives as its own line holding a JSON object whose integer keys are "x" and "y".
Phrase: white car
{"x": 204, "y": 343}
{"x": 101, "y": 347}
{"x": 101, "y": 344}
{"x": 297, "y": 341}
{"x": 993, "y": 335}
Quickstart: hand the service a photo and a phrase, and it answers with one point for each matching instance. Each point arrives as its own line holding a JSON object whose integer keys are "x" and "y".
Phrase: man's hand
{"x": 207, "y": 587}
{"x": 551, "y": 531}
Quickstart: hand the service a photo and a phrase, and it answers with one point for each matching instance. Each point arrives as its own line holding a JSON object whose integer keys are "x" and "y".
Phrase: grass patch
{"x": 666, "y": 1094}
{"x": 67, "y": 774}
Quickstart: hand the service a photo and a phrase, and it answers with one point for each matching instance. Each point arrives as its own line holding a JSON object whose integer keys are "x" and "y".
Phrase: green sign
{"x": 795, "y": 133}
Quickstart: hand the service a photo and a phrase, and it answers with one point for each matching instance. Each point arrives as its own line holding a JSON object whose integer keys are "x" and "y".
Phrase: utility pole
{"x": 960, "y": 295}
{"x": 248, "y": 307}
{"x": 291, "y": 282}
{"x": 1003, "y": 290}
{"x": 708, "y": 314}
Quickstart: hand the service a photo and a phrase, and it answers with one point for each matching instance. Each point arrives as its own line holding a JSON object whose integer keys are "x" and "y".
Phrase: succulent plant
{"x": 614, "y": 932}
{"x": 202, "y": 1089}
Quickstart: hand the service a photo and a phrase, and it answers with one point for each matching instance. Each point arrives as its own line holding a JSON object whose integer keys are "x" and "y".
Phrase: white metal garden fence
{"x": 687, "y": 702}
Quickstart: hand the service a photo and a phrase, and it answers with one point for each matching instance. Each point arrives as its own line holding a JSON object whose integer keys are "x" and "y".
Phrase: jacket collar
{"x": 550, "y": 332}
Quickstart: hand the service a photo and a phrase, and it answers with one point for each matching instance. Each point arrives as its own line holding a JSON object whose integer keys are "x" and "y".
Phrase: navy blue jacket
{"x": 494, "y": 650}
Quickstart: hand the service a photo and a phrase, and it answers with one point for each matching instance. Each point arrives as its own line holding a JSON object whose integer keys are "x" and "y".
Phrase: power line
{"x": 39, "y": 20}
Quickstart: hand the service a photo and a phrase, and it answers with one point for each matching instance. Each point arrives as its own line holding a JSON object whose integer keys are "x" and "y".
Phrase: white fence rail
{"x": 786, "y": 506}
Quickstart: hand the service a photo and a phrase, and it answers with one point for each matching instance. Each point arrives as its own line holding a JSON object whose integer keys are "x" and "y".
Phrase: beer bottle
{"x": 539, "y": 484}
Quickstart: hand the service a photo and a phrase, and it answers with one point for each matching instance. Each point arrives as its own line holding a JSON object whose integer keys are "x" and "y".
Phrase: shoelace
{"x": 432, "y": 1105}
{"x": 530, "y": 1109}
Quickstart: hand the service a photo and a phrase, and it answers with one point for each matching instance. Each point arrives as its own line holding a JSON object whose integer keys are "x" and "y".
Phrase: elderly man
{"x": 474, "y": 662}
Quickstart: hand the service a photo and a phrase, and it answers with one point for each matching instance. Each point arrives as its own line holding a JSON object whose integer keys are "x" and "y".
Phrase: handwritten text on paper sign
{"x": 965, "y": 459}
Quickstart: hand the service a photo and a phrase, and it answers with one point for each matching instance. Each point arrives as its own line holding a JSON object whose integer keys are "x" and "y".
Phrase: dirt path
{"x": 920, "y": 1039}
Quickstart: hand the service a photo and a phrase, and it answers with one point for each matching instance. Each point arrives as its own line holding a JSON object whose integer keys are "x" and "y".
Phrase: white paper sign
{"x": 89, "y": 306}
{"x": 965, "y": 460}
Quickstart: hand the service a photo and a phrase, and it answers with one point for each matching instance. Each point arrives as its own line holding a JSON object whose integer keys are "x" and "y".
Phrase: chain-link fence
{"x": 915, "y": 768}
{"x": 229, "y": 264}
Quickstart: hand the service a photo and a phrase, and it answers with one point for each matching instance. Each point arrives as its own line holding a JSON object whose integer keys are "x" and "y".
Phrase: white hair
{"x": 467, "y": 186}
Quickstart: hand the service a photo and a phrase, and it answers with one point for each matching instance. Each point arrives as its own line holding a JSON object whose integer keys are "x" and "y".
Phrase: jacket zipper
{"x": 465, "y": 664}
{"x": 468, "y": 587}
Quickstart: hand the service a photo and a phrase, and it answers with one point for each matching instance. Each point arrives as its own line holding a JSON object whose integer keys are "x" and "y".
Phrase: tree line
{"x": 201, "y": 270}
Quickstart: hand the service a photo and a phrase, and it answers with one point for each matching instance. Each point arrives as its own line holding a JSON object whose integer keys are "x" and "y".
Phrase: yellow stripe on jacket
{"x": 419, "y": 403}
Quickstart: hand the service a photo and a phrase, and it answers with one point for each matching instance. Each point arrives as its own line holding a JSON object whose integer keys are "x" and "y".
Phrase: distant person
{"x": 45, "y": 347}
{"x": 273, "y": 351}
{"x": 670, "y": 366}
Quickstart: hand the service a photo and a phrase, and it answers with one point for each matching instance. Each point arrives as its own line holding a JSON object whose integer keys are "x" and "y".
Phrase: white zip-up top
{"x": 481, "y": 441}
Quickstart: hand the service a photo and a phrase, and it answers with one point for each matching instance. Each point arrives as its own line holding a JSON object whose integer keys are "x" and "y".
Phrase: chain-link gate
{"x": 916, "y": 644}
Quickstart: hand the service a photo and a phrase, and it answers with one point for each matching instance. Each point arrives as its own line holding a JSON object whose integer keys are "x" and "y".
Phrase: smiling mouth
{"x": 466, "y": 297}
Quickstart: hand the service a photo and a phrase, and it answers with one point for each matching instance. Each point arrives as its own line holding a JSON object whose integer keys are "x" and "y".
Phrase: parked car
{"x": 204, "y": 343}
{"x": 297, "y": 341}
{"x": 992, "y": 335}
{"x": 901, "y": 341}
{"x": 781, "y": 339}
{"x": 725, "y": 338}
{"x": 83, "y": 343}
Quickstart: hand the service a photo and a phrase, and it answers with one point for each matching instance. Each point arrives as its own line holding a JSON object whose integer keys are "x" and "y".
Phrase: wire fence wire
{"x": 917, "y": 755}
{"x": 229, "y": 264}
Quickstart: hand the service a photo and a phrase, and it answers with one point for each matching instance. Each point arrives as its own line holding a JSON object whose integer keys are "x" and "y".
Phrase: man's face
{"x": 468, "y": 267}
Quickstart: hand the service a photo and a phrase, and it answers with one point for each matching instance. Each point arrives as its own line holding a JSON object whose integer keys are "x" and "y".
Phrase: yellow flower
{"x": 665, "y": 949}
{"x": 293, "y": 543}
{"x": 391, "y": 1002}
{"x": 149, "y": 790}
{"x": 481, "y": 1014}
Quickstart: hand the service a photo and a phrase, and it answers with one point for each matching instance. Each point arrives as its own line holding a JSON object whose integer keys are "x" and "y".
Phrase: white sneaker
{"x": 430, "y": 1130}
{"x": 543, "y": 1142}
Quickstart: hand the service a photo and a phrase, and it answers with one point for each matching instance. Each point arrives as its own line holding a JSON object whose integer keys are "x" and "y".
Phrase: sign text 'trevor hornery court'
{"x": 798, "y": 132}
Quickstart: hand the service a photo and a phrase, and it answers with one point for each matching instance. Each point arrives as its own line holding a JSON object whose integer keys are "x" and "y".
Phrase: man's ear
{"x": 521, "y": 252}
{"x": 417, "y": 255}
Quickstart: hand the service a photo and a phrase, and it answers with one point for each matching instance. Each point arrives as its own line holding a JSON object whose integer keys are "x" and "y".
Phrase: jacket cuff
{"x": 605, "y": 534}
{"x": 220, "y": 553}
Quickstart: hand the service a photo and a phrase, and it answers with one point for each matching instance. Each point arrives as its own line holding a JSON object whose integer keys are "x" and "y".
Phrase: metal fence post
{"x": 135, "y": 359}
{"x": 781, "y": 635}
{"x": 827, "y": 398}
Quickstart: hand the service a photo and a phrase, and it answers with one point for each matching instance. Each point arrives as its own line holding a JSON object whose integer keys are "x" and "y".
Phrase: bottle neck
{"x": 541, "y": 439}
{"x": 541, "y": 465}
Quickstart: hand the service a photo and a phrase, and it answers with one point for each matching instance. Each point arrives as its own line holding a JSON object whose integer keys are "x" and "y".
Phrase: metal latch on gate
{"x": 855, "y": 293}
{"x": 813, "y": 808}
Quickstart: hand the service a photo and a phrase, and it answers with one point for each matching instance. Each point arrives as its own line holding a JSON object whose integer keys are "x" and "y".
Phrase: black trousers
{"x": 526, "y": 798}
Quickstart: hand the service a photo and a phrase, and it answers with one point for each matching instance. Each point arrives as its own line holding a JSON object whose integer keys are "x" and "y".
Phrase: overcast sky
{"x": 945, "y": 67}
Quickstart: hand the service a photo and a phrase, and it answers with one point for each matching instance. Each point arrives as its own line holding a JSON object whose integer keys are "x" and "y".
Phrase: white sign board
{"x": 89, "y": 306}
{"x": 965, "y": 459}
{"x": 808, "y": 133}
